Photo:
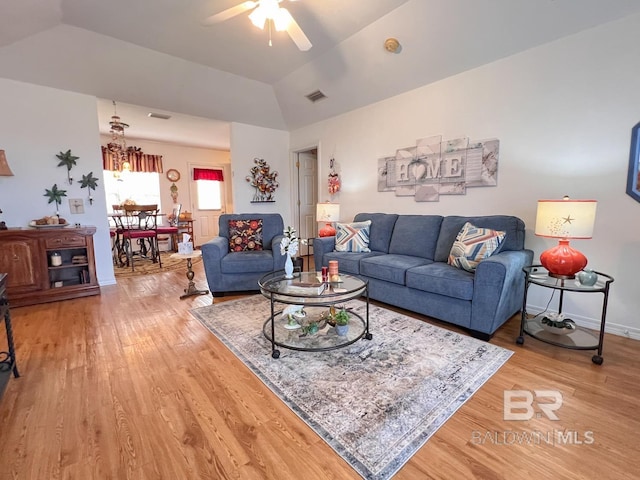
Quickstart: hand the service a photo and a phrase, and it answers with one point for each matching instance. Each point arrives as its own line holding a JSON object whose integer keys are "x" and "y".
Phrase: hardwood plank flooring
{"x": 127, "y": 385}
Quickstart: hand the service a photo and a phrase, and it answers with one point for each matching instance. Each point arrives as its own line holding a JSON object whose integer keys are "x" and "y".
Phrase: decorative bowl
{"x": 557, "y": 324}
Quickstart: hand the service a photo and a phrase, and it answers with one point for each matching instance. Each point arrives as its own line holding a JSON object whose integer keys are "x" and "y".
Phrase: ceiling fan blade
{"x": 296, "y": 33}
{"x": 229, "y": 13}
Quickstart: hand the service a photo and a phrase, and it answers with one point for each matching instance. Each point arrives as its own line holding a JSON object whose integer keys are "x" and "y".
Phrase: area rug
{"x": 147, "y": 267}
{"x": 375, "y": 402}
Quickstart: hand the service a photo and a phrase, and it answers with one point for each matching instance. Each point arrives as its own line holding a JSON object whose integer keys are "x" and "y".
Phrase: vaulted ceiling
{"x": 155, "y": 55}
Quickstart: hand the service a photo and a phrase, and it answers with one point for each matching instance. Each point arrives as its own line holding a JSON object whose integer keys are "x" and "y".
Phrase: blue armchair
{"x": 228, "y": 271}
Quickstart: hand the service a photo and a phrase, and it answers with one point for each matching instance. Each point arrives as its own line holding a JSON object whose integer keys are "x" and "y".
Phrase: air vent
{"x": 315, "y": 96}
{"x": 159, "y": 115}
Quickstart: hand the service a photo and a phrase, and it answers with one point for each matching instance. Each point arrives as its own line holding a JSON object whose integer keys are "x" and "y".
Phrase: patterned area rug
{"x": 375, "y": 402}
{"x": 147, "y": 267}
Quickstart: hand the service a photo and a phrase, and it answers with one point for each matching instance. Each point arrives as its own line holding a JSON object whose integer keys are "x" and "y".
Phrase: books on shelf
{"x": 306, "y": 288}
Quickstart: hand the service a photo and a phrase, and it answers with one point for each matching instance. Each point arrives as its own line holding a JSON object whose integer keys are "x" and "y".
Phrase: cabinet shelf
{"x": 70, "y": 265}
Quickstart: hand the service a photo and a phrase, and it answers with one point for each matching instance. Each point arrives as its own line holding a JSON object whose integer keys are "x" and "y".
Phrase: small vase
{"x": 288, "y": 267}
{"x": 587, "y": 277}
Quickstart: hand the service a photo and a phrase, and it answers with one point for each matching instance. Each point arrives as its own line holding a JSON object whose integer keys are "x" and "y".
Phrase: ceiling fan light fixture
{"x": 258, "y": 17}
{"x": 282, "y": 20}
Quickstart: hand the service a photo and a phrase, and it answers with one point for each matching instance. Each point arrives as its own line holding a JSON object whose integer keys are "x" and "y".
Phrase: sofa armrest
{"x": 322, "y": 245}
{"x": 498, "y": 289}
{"x": 278, "y": 258}
{"x": 213, "y": 251}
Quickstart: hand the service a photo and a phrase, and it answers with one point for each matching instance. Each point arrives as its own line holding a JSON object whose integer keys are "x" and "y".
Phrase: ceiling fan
{"x": 267, "y": 12}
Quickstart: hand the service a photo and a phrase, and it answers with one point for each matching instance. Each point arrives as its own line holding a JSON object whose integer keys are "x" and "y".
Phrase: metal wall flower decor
{"x": 90, "y": 182}
{"x": 55, "y": 195}
{"x": 67, "y": 160}
{"x": 263, "y": 180}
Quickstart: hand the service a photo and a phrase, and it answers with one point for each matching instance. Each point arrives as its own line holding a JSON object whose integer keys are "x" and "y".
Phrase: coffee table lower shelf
{"x": 302, "y": 339}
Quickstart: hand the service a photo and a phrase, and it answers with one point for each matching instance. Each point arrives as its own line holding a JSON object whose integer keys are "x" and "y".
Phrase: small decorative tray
{"x": 59, "y": 225}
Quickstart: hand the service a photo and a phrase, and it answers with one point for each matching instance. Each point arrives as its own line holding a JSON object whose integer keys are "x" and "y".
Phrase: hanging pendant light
{"x": 118, "y": 144}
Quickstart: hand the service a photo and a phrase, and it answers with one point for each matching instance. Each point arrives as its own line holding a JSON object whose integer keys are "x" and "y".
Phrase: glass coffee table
{"x": 301, "y": 311}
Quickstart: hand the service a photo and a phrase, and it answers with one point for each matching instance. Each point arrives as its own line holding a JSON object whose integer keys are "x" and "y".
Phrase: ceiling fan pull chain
{"x": 270, "y": 22}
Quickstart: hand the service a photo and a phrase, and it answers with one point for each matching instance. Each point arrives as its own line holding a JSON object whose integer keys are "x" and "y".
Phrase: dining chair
{"x": 172, "y": 228}
{"x": 139, "y": 225}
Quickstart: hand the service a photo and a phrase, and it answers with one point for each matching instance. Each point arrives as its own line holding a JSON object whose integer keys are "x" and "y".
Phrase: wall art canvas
{"x": 437, "y": 166}
{"x": 383, "y": 177}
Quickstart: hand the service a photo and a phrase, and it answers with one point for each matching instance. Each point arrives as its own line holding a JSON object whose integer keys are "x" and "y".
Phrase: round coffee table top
{"x": 295, "y": 290}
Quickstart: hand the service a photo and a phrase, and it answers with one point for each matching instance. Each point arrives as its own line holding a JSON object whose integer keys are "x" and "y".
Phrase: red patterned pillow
{"x": 245, "y": 235}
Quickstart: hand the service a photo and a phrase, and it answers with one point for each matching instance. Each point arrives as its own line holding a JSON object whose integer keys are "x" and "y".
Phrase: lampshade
{"x": 327, "y": 212}
{"x": 565, "y": 219}
{"x": 5, "y": 171}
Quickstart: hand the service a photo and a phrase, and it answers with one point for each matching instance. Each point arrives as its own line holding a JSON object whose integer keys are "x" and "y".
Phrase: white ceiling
{"x": 155, "y": 55}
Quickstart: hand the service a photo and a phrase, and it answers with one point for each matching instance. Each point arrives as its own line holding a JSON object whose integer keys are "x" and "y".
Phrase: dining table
{"x": 119, "y": 222}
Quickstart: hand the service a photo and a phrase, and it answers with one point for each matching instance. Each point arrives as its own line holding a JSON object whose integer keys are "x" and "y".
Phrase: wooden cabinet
{"x": 48, "y": 264}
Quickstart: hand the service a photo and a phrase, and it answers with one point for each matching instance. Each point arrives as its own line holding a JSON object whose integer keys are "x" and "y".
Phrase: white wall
{"x": 247, "y": 143}
{"x": 37, "y": 123}
{"x": 178, "y": 157}
{"x": 563, "y": 114}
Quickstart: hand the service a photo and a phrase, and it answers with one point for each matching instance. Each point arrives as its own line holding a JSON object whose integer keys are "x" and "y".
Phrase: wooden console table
{"x": 48, "y": 264}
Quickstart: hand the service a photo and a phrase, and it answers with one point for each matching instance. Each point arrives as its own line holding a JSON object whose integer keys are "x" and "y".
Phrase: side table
{"x": 7, "y": 359}
{"x": 578, "y": 339}
{"x": 191, "y": 289}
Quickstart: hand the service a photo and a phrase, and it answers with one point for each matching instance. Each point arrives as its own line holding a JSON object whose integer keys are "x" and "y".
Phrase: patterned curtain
{"x": 139, "y": 162}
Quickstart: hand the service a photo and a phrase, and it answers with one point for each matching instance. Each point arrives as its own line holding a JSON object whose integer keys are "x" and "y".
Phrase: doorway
{"x": 208, "y": 201}
{"x": 306, "y": 192}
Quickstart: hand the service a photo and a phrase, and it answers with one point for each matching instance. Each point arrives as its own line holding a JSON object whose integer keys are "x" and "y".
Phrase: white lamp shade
{"x": 327, "y": 212}
{"x": 566, "y": 218}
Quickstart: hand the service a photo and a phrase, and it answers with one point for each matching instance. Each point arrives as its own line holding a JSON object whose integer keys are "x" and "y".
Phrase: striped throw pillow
{"x": 352, "y": 237}
{"x": 474, "y": 244}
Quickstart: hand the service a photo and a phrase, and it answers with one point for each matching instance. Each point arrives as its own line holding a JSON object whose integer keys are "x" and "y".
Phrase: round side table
{"x": 191, "y": 289}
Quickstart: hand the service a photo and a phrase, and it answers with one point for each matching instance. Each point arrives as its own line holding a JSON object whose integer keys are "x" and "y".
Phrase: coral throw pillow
{"x": 245, "y": 235}
{"x": 352, "y": 237}
{"x": 474, "y": 244}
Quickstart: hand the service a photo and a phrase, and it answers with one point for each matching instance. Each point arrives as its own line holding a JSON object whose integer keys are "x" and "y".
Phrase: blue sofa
{"x": 228, "y": 271}
{"x": 407, "y": 267}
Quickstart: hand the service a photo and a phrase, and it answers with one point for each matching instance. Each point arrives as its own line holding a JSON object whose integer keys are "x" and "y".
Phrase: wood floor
{"x": 129, "y": 385}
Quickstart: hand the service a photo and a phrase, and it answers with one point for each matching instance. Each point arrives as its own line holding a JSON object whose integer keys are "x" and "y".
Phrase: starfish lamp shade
{"x": 565, "y": 219}
{"x": 328, "y": 213}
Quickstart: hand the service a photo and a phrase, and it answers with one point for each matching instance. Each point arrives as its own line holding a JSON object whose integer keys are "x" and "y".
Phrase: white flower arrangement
{"x": 289, "y": 244}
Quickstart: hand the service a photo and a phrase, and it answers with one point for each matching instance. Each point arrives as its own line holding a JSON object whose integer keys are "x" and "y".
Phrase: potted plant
{"x": 341, "y": 319}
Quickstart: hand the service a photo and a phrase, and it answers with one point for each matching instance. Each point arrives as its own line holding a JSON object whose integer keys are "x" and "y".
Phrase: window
{"x": 141, "y": 187}
{"x": 209, "y": 188}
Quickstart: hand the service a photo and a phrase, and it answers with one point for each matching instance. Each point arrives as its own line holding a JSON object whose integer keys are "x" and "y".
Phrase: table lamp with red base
{"x": 328, "y": 213}
{"x": 564, "y": 219}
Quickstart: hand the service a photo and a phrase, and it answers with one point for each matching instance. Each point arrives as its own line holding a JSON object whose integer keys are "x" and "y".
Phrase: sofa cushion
{"x": 390, "y": 268}
{"x": 380, "y": 231}
{"x": 353, "y": 237}
{"x": 349, "y": 262}
{"x": 512, "y": 226}
{"x": 416, "y": 235}
{"x": 245, "y": 235}
{"x": 474, "y": 244}
{"x": 441, "y": 279}
{"x": 272, "y": 225}
{"x": 247, "y": 262}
